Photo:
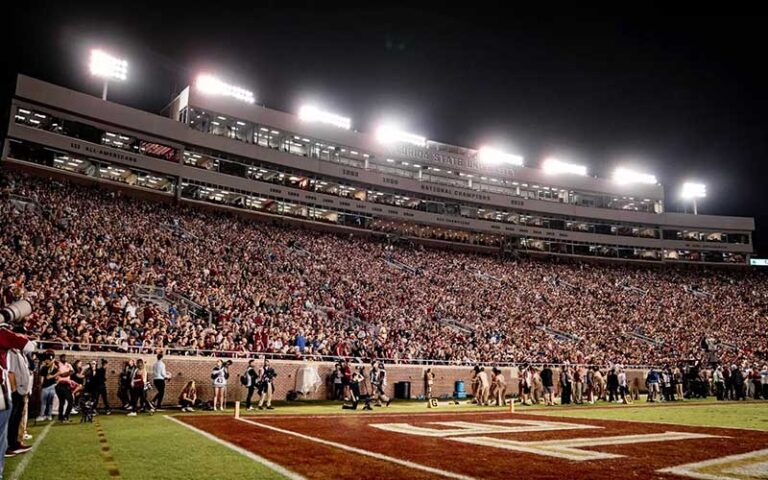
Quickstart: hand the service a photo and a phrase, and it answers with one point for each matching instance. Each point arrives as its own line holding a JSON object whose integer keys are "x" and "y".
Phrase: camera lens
{"x": 16, "y": 311}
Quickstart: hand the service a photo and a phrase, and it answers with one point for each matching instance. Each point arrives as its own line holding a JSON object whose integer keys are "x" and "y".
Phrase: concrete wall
{"x": 184, "y": 369}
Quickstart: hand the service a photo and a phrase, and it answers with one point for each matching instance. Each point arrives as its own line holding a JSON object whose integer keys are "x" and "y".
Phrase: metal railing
{"x": 186, "y": 306}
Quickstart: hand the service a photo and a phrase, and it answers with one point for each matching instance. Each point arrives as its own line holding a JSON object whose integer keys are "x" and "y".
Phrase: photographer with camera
{"x": 220, "y": 375}
{"x": 266, "y": 385}
{"x": 10, "y": 340}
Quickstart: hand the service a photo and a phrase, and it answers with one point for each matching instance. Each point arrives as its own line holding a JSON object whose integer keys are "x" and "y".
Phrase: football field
{"x": 697, "y": 439}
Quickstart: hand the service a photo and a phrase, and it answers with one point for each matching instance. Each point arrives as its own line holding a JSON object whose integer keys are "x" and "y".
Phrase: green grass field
{"x": 152, "y": 447}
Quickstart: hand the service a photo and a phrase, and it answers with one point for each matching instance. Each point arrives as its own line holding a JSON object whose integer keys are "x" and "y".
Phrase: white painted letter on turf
{"x": 571, "y": 449}
{"x": 471, "y": 428}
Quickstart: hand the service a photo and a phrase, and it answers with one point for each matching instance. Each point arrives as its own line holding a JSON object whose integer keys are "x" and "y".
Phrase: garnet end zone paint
{"x": 480, "y": 446}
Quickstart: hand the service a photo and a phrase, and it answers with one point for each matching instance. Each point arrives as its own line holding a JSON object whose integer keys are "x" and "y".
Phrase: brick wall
{"x": 184, "y": 369}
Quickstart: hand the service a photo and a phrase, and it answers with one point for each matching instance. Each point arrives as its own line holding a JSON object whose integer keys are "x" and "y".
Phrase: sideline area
{"x": 150, "y": 447}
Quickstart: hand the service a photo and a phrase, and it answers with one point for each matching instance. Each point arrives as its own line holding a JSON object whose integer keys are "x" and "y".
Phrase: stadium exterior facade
{"x": 215, "y": 150}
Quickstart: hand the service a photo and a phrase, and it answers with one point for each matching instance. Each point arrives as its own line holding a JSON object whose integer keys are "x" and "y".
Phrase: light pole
{"x": 108, "y": 68}
{"x": 693, "y": 191}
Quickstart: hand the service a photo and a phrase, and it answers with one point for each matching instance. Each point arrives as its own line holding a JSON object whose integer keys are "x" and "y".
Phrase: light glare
{"x": 554, "y": 166}
{"x": 310, "y": 113}
{"x": 106, "y": 66}
{"x": 492, "y": 156}
{"x": 213, "y": 86}
{"x": 625, "y": 175}
{"x": 388, "y": 134}
{"x": 694, "y": 190}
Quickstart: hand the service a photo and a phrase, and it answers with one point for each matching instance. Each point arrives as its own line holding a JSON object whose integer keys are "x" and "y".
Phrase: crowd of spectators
{"x": 78, "y": 253}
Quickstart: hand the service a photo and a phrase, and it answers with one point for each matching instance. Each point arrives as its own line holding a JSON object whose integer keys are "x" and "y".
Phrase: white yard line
{"x": 16, "y": 475}
{"x": 446, "y": 412}
{"x": 360, "y": 451}
{"x": 256, "y": 458}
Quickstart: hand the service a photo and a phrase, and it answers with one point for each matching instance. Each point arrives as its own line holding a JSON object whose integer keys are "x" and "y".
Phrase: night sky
{"x": 682, "y": 97}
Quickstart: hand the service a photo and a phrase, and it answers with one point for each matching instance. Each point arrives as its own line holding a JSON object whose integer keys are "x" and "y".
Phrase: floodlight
{"x": 625, "y": 175}
{"x": 214, "y": 86}
{"x": 554, "y": 166}
{"x": 492, "y": 156}
{"x": 389, "y": 134}
{"x": 693, "y": 190}
{"x": 310, "y": 113}
{"x": 108, "y": 67}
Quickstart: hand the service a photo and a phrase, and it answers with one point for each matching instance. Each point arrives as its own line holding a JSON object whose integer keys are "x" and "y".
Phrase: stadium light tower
{"x": 310, "y": 113}
{"x": 492, "y": 156}
{"x": 107, "y": 67}
{"x": 693, "y": 191}
{"x": 211, "y": 85}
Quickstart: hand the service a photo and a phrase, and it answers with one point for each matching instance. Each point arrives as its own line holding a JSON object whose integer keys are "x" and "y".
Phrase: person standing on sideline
{"x": 484, "y": 387}
{"x": 249, "y": 380}
{"x": 549, "y": 386}
{"x": 623, "y": 386}
{"x": 429, "y": 379}
{"x": 652, "y": 382}
{"x": 8, "y": 340}
{"x": 47, "y": 375}
{"x": 719, "y": 381}
{"x": 100, "y": 387}
{"x": 378, "y": 381}
{"x": 499, "y": 387}
{"x": 21, "y": 383}
{"x": 266, "y": 385}
{"x": 124, "y": 385}
{"x": 139, "y": 390}
{"x": 219, "y": 375}
{"x": 159, "y": 376}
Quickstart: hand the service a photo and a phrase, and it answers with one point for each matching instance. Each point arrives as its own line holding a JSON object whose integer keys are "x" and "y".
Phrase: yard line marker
{"x": 106, "y": 452}
{"x": 16, "y": 475}
{"x": 360, "y": 451}
{"x": 246, "y": 453}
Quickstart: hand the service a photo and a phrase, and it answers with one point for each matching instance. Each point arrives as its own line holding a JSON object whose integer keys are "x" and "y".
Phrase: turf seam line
{"x": 19, "y": 471}
{"x": 106, "y": 452}
{"x": 367, "y": 453}
{"x": 242, "y": 451}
